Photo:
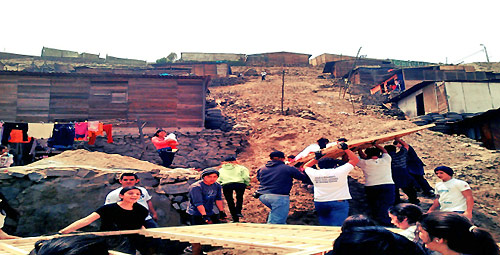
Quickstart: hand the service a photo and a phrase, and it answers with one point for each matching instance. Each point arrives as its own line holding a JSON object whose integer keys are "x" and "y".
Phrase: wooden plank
{"x": 334, "y": 152}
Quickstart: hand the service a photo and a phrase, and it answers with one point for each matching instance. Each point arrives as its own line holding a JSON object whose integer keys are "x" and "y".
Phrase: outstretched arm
{"x": 434, "y": 205}
{"x": 80, "y": 223}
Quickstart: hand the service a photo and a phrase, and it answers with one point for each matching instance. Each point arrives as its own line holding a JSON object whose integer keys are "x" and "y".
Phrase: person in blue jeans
{"x": 331, "y": 189}
{"x": 276, "y": 179}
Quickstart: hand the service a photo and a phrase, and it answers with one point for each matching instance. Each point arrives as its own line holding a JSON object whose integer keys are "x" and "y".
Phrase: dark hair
{"x": 445, "y": 169}
{"x": 129, "y": 174}
{"x": 72, "y": 245}
{"x": 158, "y": 131}
{"x": 390, "y": 148}
{"x": 2, "y": 147}
{"x": 459, "y": 232}
{"x": 373, "y": 152}
{"x": 230, "y": 159}
{"x": 357, "y": 220}
{"x": 374, "y": 241}
{"x": 291, "y": 156}
{"x": 124, "y": 190}
{"x": 408, "y": 211}
{"x": 322, "y": 142}
{"x": 328, "y": 163}
{"x": 342, "y": 139}
{"x": 277, "y": 154}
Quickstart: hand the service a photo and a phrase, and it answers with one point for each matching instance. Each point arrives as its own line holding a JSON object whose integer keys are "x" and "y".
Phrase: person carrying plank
{"x": 331, "y": 189}
{"x": 379, "y": 186}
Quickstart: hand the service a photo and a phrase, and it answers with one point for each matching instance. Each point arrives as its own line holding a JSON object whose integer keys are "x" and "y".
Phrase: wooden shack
{"x": 327, "y": 57}
{"x": 206, "y": 57}
{"x": 282, "y": 58}
{"x": 212, "y": 69}
{"x": 164, "y": 101}
{"x": 341, "y": 68}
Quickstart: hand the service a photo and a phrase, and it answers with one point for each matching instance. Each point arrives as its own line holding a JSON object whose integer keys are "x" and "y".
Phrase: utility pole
{"x": 485, "y": 52}
{"x": 282, "y": 91}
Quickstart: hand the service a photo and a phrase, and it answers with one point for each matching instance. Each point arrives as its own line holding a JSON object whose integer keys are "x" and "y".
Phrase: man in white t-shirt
{"x": 453, "y": 195}
{"x": 379, "y": 186}
{"x": 331, "y": 189}
{"x": 129, "y": 180}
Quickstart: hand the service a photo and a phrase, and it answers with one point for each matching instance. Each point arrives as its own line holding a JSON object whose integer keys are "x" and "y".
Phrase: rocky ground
{"x": 313, "y": 108}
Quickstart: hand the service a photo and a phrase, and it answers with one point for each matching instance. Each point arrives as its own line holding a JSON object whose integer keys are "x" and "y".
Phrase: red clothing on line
{"x": 108, "y": 128}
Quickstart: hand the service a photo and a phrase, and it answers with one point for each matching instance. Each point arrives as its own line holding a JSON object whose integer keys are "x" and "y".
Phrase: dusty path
{"x": 316, "y": 110}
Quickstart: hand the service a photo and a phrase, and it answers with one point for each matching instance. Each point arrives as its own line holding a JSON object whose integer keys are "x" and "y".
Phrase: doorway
{"x": 420, "y": 104}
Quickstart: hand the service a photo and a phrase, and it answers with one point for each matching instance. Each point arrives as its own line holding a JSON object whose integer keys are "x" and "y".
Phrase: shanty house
{"x": 408, "y": 77}
{"x": 279, "y": 59}
{"x": 162, "y": 101}
{"x": 327, "y": 57}
{"x": 449, "y": 96}
{"x": 206, "y": 57}
{"x": 212, "y": 69}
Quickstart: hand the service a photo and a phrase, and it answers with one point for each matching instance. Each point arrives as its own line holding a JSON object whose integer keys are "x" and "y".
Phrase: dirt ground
{"x": 314, "y": 109}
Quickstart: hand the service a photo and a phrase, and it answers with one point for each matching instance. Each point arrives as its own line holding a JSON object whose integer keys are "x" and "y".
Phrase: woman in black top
{"x": 123, "y": 215}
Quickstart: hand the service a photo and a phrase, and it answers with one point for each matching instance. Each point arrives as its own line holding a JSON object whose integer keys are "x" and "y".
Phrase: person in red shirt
{"x": 166, "y": 145}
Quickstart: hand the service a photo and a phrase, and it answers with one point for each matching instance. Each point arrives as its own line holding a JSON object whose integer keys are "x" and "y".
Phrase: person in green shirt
{"x": 234, "y": 178}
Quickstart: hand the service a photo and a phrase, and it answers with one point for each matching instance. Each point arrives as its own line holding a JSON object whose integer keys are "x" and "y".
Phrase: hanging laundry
{"x": 100, "y": 131}
{"x": 63, "y": 136}
{"x": 81, "y": 131}
{"x": 108, "y": 128}
{"x": 16, "y": 136}
{"x": 40, "y": 130}
{"x": 93, "y": 126}
{"x": 8, "y": 127}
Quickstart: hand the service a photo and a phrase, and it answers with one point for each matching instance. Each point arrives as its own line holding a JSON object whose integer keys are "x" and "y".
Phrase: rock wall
{"x": 201, "y": 149}
{"x": 50, "y": 198}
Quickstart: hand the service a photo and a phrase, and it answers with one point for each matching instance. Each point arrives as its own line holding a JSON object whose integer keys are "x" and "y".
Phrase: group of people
{"x": 386, "y": 170}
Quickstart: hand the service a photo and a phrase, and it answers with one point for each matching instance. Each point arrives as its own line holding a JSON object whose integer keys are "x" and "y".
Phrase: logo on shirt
{"x": 326, "y": 179}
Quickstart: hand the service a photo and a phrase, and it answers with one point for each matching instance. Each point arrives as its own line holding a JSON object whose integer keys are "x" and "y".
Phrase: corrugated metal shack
{"x": 205, "y": 57}
{"x": 458, "y": 96}
{"x": 327, "y": 57}
{"x": 213, "y": 69}
{"x": 282, "y": 58}
{"x": 164, "y": 101}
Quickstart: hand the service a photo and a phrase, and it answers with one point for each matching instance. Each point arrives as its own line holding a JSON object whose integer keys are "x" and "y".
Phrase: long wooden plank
{"x": 334, "y": 152}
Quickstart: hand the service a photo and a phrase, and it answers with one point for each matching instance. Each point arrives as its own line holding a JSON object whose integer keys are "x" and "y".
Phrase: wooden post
{"x": 282, "y": 91}
{"x": 140, "y": 126}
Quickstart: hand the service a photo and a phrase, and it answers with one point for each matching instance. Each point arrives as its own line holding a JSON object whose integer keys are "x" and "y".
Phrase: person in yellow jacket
{"x": 234, "y": 178}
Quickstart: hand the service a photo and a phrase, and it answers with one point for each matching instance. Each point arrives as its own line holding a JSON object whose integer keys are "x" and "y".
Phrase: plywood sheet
{"x": 334, "y": 152}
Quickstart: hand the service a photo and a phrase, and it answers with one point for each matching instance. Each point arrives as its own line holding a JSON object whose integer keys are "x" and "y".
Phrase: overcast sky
{"x": 425, "y": 30}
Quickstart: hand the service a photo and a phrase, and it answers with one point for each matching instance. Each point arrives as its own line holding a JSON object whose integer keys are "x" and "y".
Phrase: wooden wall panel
{"x": 154, "y": 101}
{"x": 69, "y": 99}
{"x": 430, "y": 100}
{"x": 108, "y": 98}
{"x": 33, "y": 99}
{"x": 8, "y": 98}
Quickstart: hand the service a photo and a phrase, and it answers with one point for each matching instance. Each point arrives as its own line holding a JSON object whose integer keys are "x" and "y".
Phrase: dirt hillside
{"x": 315, "y": 109}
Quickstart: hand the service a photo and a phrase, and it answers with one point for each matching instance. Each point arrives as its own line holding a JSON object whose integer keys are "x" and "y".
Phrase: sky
{"x": 437, "y": 31}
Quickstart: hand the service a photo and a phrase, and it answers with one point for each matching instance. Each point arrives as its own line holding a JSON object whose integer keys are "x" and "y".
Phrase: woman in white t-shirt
{"x": 331, "y": 189}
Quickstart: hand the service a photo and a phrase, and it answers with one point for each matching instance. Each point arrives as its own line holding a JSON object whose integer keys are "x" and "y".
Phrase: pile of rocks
{"x": 50, "y": 198}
